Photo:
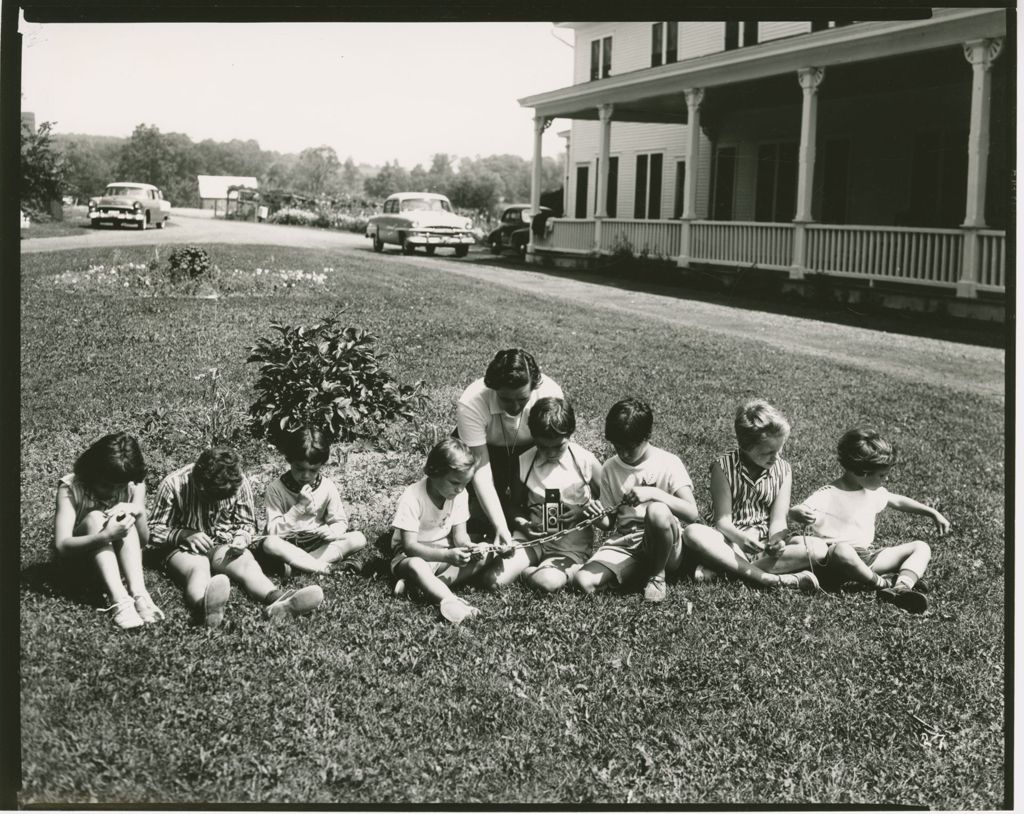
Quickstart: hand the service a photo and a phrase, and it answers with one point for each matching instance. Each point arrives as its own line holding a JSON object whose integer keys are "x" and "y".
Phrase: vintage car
{"x": 412, "y": 219}
{"x": 513, "y": 231}
{"x": 127, "y": 202}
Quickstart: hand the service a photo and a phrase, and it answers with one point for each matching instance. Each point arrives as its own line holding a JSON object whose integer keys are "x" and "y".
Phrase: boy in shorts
{"x": 653, "y": 494}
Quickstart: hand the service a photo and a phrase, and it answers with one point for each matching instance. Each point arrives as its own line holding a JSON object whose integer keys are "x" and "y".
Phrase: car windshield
{"x": 425, "y": 205}
{"x": 125, "y": 192}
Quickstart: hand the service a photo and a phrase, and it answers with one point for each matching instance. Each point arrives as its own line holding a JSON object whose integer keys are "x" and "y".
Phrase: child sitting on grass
{"x": 559, "y": 463}
{"x": 100, "y": 526}
{"x": 204, "y": 521}
{"x": 307, "y": 528}
{"x": 430, "y": 545}
{"x": 652, "y": 492}
{"x": 842, "y": 515}
{"x": 750, "y": 492}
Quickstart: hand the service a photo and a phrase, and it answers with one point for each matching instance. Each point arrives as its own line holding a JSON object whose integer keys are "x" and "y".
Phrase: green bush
{"x": 189, "y": 263}
{"x": 327, "y": 377}
{"x": 294, "y": 217}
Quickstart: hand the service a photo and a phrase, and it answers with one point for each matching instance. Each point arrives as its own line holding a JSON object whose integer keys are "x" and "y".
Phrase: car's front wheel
{"x": 495, "y": 246}
{"x": 378, "y": 244}
{"x": 431, "y": 250}
{"x": 160, "y": 224}
{"x": 407, "y": 247}
{"x": 144, "y": 224}
{"x": 461, "y": 251}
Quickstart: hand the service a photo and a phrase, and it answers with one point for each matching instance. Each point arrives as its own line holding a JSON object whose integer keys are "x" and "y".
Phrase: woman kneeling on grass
{"x": 101, "y": 520}
{"x": 430, "y": 545}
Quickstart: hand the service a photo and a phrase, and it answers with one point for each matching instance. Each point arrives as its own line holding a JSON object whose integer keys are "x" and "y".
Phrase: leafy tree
{"x": 476, "y": 186}
{"x": 42, "y": 168}
{"x": 391, "y": 178}
{"x": 90, "y": 166}
{"x": 351, "y": 178}
{"x": 316, "y": 169}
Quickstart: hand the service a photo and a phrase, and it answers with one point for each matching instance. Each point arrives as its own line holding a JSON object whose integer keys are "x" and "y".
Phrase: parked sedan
{"x": 513, "y": 231}
{"x": 126, "y": 202}
{"x": 412, "y": 219}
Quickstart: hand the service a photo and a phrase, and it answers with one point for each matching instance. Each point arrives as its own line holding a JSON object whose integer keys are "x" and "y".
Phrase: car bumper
{"x": 116, "y": 216}
{"x": 428, "y": 239}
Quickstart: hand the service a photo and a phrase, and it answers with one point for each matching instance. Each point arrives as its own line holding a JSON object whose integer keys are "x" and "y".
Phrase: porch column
{"x": 604, "y": 113}
{"x": 810, "y": 79}
{"x": 540, "y": 124}
{"x": 980, "y": 54}
{"x": 694, "y": 97}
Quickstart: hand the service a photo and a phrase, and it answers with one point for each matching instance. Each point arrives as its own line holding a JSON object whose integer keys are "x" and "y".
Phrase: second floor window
{"x": 664, "y": 43}
{"x": 601, "y": 58}
{"x": 733, "y": 31}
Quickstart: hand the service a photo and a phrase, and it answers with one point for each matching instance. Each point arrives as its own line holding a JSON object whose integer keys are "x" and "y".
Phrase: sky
{"x": 374, "y": 91}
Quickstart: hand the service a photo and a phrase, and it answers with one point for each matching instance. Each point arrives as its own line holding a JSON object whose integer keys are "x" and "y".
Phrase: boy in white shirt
{"x": 842, "y": 518}
{"x": 652, "y": 492}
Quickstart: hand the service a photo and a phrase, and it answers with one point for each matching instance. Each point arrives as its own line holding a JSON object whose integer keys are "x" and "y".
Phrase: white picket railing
{"x": 900, "y": 254}
{"x": 642, "y": 238}
{"x": 568, "y": 234}
{"x": 765, "y": 245}
{"x": 991, "y": 260}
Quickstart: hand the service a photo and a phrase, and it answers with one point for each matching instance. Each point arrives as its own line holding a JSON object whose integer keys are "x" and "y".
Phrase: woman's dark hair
{"x": 218, "y": 473}
{"x": 511, "y": 369}
{"x": 309, "y": 444}
{"x": 629, "y": 422}
{"x": 552, "y": 416}
{"x": 862, "y": 451}
{"x": 114, "y": 458}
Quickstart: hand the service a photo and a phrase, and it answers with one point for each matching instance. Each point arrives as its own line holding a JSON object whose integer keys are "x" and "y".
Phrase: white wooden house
{"x": 874, "y": 149}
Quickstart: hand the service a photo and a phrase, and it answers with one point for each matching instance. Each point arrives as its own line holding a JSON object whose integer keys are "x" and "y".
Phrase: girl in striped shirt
{"x": 750, "y": 493}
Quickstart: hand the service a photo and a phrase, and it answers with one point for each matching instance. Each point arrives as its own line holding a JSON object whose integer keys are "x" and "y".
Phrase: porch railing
{"x": 766, "y": 245}
{"x": 642, "y": 238}
{"x": 900, "y": 254}
{"x": 991, "y": 260}
{"x": 569, "y": 234}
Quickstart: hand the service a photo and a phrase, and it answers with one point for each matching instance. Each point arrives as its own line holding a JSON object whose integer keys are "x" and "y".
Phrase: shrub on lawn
{"x": 293, "y": 217}
{"x": 328, "y": 377}
{"x": 189, "y": 263}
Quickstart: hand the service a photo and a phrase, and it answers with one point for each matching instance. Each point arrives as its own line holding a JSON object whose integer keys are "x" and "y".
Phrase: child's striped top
{"x": 752, "y": 496}
{"x": 179, "y": 507}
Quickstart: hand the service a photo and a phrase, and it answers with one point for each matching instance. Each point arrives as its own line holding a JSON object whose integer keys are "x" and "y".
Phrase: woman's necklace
{"x": 509, "y": 446}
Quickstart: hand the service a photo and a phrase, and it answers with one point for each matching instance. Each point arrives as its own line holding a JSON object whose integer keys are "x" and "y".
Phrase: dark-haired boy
{"x": 653, "y": 493}
{"x": 203, "y": 521}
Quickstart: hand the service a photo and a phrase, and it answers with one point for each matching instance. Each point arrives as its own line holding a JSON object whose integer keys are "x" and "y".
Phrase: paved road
{"x": 965, "y": 368}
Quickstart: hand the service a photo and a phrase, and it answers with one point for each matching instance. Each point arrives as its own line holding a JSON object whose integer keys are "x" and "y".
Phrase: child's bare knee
{"x": 659, "y": 515}
{"x": 585, "y": 582}
{"x": 921, "y": 547}
{"x": 356, "y": 540}
{"x": 548, "y": 580}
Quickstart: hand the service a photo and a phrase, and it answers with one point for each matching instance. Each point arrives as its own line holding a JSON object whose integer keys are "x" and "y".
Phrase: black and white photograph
{"x": 431, "y": 411}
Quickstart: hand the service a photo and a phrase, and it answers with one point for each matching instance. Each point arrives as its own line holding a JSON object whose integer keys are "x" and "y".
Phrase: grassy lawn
{"x": 750, "y": 698}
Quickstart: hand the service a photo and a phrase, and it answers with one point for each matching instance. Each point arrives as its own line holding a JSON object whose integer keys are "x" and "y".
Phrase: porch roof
{"x": 657, "y": 94}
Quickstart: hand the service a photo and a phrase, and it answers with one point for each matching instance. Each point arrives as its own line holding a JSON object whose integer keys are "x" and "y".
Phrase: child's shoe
{"x": 399, "y": 587}
{"x": 147, "y": 609}
{"x": 903, "y": 597}
{"x": 125, "y": 615}
{"x": 215, "y": 599}
{"x": 286, "y": 572}
{"x": 704, "y": 574}
{"x": 804, "y": 580}
{"x": 456, "y": 610}
{"x": 654, "y": 591}
{"x": 295, "y": 603}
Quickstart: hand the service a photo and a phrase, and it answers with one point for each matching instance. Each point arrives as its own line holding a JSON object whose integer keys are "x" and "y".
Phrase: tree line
{"x": 82, "y": 165}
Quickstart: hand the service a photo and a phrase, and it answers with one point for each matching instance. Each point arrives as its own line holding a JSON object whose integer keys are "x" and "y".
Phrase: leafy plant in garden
{"x": 189, "y": 263}
{"x": 329, "y": 377}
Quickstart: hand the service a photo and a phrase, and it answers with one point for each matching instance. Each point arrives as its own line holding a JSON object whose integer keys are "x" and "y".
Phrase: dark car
{"x": 513, "y": 231}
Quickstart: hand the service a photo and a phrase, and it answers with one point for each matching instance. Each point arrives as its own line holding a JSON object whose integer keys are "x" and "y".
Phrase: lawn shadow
{"x": 46, "y": 578}
{"x": 754, "y": 290}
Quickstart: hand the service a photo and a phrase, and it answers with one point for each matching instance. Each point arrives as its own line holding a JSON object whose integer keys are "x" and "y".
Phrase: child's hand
{"x": 459, "y": 556}
{"x": 753, "y": 539}
{"x": 941, "y": 523}
{"x": 524, "y": 526}
{"x": 802, "y": 516}
{"x": 127, "y": 509}
{"x": 305, "y": 497}
{"x": 198, "y": 543}
{"x": 114, "y": 529}
{"x": 240, "y": 539}
{"x": 593, "y": 508}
